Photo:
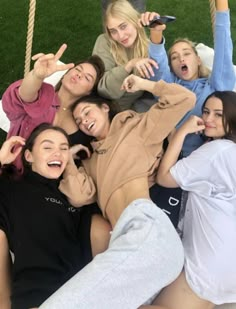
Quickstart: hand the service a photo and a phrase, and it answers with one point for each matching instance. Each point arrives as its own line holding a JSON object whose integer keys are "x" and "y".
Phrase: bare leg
{"x": 99, "y": 234}
{"x": 178, "y": 295}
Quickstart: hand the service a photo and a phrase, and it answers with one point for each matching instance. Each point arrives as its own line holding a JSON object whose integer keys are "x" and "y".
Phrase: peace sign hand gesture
{"x": 46, "y": 64}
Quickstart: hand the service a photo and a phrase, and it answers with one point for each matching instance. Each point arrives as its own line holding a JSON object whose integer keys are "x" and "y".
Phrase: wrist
{"x": 36, "y": 77}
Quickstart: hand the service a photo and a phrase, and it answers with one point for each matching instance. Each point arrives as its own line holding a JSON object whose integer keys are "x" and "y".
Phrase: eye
{"x": 173, "y": 58}
{"x": 219, "y": 115}
{"x": 88, "y": 78}
{"x": 113, "y": 31}
{"x": 123, "y": 26}
{"x": 64, "y": 148}
{"x": 205, "y": 112}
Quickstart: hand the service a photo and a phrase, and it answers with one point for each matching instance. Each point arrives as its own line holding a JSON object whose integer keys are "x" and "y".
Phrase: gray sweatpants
{"x": 144, "y": 255}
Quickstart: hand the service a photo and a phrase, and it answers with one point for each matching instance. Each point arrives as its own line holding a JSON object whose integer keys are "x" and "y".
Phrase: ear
{"x": 105, "y": 107}
{"x": 199, "y": 60}
{"x": 28, "y": 156}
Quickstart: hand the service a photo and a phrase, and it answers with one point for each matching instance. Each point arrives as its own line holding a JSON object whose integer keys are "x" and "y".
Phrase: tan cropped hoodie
{"x": 132, "y": 148}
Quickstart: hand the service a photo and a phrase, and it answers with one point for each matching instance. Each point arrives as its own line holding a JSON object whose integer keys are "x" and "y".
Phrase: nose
{"x": 57, "y": 153}
{"x": 120, "y": 34}
{"x": 209, "y": 118}
{"x": 80, "y": 74}
{"x": 85, "y": 120}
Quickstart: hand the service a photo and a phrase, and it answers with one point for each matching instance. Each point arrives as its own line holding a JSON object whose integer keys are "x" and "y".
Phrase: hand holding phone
{"x": 160, "y": 20}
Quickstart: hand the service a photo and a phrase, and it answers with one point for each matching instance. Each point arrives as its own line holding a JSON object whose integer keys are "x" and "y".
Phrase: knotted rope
{"x": 30, "y": 32}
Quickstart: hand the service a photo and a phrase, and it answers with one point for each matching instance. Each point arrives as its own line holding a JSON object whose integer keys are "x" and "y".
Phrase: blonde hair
{"x": 203, "y": 71}
{"x": 124, "y": 10}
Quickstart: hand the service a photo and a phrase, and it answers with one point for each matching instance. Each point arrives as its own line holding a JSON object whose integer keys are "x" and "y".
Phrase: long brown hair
{"x": 98, "y": 65}
{"x": 228, "y": 99}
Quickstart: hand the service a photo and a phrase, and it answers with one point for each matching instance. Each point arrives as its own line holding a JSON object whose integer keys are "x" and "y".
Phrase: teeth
{"x": 58, "y": 163}
{"x": 90, "y": 126}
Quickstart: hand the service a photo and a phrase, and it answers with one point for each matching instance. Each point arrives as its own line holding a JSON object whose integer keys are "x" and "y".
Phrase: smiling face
{"x": 184, "y": 61}
{"x": 121, "y": 31}
{"x": 93, "y": 120}
{"x": 213, "y": 118}
{"x": 49, "y": 155}
{"x": 80, "y": 80}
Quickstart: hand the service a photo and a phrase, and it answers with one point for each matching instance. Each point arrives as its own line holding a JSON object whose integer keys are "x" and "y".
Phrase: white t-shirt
{"x": 209, "y": 235}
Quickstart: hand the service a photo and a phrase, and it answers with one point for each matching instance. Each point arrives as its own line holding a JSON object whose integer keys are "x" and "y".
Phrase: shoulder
{"x": 102, "y": 38}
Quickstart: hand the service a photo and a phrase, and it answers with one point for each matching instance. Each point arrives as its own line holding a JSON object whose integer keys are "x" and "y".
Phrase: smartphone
{"x": 160, "y": 20}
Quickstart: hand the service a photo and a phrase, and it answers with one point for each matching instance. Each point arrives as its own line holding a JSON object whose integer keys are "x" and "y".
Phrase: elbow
{"x": 192, "y": 99}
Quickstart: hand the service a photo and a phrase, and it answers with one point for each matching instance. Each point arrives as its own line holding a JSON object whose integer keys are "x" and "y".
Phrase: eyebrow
{"x": 215, "y": 110}
{"x": 81, "y": 67}
{"x": 184, "y": 49}
{"x": 51, "y": 142}
{"x": 83, "y": 109}
{"x": 117, "y": 26}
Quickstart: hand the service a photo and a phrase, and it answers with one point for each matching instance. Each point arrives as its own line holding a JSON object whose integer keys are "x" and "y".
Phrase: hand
{"x": 149, "y": 16}
{"x": 132, "y": 83}
{"x": 77, "y": 148}
{"x": 145, "y": 67}
{"x": 193, "y": 124}
{"x": 46, "y": 65}
{"x": 11, "y": 149}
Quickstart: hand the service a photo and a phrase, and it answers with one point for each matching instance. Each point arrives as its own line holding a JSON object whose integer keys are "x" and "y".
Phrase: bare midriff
{"x": 126, "y": 194}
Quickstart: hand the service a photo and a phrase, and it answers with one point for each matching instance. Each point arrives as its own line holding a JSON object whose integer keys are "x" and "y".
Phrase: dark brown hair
{"x": 98, "y": 65}
{"x": 29, "y": 144}
{"x": 228, "y": 99}
{"x": 114, "y": 107}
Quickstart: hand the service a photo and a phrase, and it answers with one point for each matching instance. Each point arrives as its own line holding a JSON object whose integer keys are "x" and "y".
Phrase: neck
{"x": 66, "y": 99}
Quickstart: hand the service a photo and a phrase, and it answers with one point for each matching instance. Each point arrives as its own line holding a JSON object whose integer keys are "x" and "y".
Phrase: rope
{"x": 213, "y": 14}
{"x": 29, "y": 36}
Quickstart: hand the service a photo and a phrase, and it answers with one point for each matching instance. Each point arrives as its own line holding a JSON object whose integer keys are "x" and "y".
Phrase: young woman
{"x": 186, "y": 67}
{"x": 37, "y": 223}
{"x": 145, "y": 252}
{"x": 30, "y": 101}
{"x": 124, "y": 49}
{"x": 209, "y": 230}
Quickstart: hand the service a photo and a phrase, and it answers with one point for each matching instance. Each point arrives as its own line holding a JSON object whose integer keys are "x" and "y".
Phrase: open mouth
{"x": 184, "y": 68}
{"x": 90, "y": 126}
{"x": 55, "y": 164}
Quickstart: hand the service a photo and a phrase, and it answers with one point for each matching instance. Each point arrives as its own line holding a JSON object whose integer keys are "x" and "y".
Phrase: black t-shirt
{"x": 44, "y": 233}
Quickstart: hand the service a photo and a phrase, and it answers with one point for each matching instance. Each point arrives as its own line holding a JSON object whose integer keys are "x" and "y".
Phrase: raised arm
{"x": 44, "y": 66}
{"x": 5, "y": 273}
{"x": 223, "y": 74}
{"x": 222, "y": 5}
{"x": 193, "y": 125}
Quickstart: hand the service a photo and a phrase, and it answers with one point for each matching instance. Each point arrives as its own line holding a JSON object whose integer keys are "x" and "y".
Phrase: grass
{"x": 78, "y": 23}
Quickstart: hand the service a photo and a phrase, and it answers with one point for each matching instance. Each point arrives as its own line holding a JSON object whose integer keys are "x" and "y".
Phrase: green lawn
{"x": 78, "y": 23}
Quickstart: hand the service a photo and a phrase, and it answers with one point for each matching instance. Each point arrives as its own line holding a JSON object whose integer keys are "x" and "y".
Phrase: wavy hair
{"x": 123, "y": 10}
